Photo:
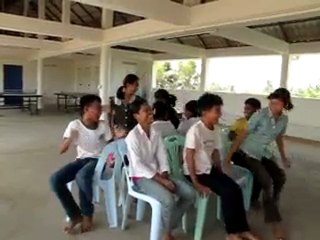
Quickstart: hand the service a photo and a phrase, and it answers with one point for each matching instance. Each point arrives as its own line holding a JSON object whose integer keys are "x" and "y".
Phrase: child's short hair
{"x": 207, "y": 101}
{"x": 192, "y": 106}
{"x": 130, "y": 79}
{"x": 253, "y": 102}
{"x": 160, "y": 110}
{"x": 137, "y": 104}
{"x": 87, "y": 100}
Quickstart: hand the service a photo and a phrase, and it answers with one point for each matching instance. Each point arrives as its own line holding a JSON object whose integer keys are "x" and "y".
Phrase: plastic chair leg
{"x": 125, "y": 212}
{"x": 141, "y": 206}
{"x": 201, "y": 216}
{"x": 219, "y": 211}
{"x": 69, "y": 186}
{"x": 155, "y": 232}
{"x": 185, "y": 226}
{"x": 96, "y": 193}
{"x": 110, "y": 205}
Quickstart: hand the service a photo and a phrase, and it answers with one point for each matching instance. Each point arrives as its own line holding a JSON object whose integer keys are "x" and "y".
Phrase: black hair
{"x": 137, "y": 104}
{"x": 209, "y": 100}
{"x": 161, "y": 111}
{"x": 192, "y": 106}
{"x": 253, "y": 102}
{"x": 172, "y": 100}
{"x": 120, "y": 93}
{"x": 130, "y": 79}
{"x": 87, "y": 100}
{"x": 284, "y": 96}
{"x": 162, "y": 94}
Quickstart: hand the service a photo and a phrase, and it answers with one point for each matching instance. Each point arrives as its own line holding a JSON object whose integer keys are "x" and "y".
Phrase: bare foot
{"x": 278, "y": 231}
{"x": 248, "y": 236}
{"x": 87, "y": 224}
{"x": 168, "y": 236}
{"x": 233, "y": 237}
{"x": 72, "y": 224}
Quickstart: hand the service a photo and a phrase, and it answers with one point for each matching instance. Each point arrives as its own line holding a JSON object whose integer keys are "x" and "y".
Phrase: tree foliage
{"x": 310, "y": 92}
{"x": 184, "y": 77}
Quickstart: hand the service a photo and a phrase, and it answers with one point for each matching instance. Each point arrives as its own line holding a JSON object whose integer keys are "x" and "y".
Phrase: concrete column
{"x": 40, "y": 80}
{"x": 41, "y": 11}
{"x": 285, "y": 70}
{"x": 105, "y": 74}
{"x": 105, "y": 60}
{"x": 66, "y": 8}
{"x": 204, "y": 63}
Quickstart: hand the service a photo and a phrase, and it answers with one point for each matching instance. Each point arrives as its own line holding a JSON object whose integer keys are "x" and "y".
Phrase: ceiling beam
{"x": 44, "y": 27}
{"x": 254, "y": 38}
{"x": 252, "y": 12}
{"x": 161, "y": 10}
{"x": 172, "y": 48}
{"x": 11, "y": 41}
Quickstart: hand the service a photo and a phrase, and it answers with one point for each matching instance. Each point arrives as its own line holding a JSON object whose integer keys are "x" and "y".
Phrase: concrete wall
{"x": 304, "y": 119}
{"x": 87, "y": 72}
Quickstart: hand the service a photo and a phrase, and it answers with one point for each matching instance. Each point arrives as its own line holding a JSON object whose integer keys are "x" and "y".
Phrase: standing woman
{"x": 121, "y": 115}
{"x": 254, "y": 148}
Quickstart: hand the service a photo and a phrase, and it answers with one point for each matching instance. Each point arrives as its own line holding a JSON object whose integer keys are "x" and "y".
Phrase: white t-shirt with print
{"x": 204, "y": 141}
{"x": 89, "y": 142}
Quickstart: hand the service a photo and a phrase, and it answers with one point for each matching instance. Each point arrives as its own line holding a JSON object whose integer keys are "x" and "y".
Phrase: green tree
{"x": 310, "y": 92}
{"x": 185, "y": 77}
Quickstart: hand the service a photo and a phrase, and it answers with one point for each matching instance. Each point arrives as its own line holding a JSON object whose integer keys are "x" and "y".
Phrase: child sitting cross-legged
{"x": 148, "y": 167}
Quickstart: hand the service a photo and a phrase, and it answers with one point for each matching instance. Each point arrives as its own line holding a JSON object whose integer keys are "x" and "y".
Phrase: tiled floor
{"x": 28, "y": 210}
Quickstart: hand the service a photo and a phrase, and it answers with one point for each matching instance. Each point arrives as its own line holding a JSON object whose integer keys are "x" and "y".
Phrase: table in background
{"x": 71, "y": 100}
{"x": 29, "y": 101}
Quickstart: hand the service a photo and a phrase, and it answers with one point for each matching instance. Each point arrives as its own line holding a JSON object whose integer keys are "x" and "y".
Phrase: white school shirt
{"x": 186, "y": 124}
{"x": 204, "y": 141}
{"x": 89, "y": 142}
{"x": 165, "y": 128}
{"x": 147, "y": 156}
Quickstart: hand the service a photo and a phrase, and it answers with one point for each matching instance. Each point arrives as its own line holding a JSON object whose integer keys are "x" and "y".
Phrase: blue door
{"x": 12, "y": 83}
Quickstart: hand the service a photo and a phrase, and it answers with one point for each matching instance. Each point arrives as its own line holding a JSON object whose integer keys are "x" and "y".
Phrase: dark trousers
{"x": 271, "y": 178}
{"x": 81, "y": 170}
{"x": 238, "y": 158}
{"x": 231, "y": 199}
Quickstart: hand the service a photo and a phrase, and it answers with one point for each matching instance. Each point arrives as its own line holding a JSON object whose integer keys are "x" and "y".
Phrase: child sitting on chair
{"x": 251, "y": 105}
{"x": 191, "y": 116}
{"x": 202, "y": 166}
{"x": 148, "y": 167}
{"x": 89, "y": 135}
{"x": 161, "y": 123}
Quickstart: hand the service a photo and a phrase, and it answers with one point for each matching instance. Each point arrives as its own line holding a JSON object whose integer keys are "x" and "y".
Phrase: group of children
{"x": 145, "y": 126}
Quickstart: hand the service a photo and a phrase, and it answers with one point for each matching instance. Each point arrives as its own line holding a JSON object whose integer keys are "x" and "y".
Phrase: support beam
{"x": 43, "y": 27}
{"x": 106, "y": 18}
{"x": 203, "y": 77}
{"x": 251, "y": 12}
{"x": 66, "y": 8}
{"x": 12, "y": 41}
{"x": 166, "y": 11}
{"x": 173, "y": 48}
{"x": 105, "y": 74}
{"x": 40, "y": 80}
{"x": 191, "y": 3}
{"x": 284, "y": 70}
{"x": 254, "y": 38}
{"x": 41, "y": 12}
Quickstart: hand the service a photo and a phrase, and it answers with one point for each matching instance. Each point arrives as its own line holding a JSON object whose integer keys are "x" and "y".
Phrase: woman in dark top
{"x": 163, "y": 95}
{"x": 122, "y": 116}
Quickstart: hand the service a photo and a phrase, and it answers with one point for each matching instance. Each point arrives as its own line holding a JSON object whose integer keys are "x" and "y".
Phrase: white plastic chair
{"x": 155, "y": 232}
{"x": 108, "y": 183}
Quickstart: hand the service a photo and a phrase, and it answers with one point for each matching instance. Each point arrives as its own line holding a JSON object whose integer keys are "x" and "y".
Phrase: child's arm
{"x": 67, "y": 141}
